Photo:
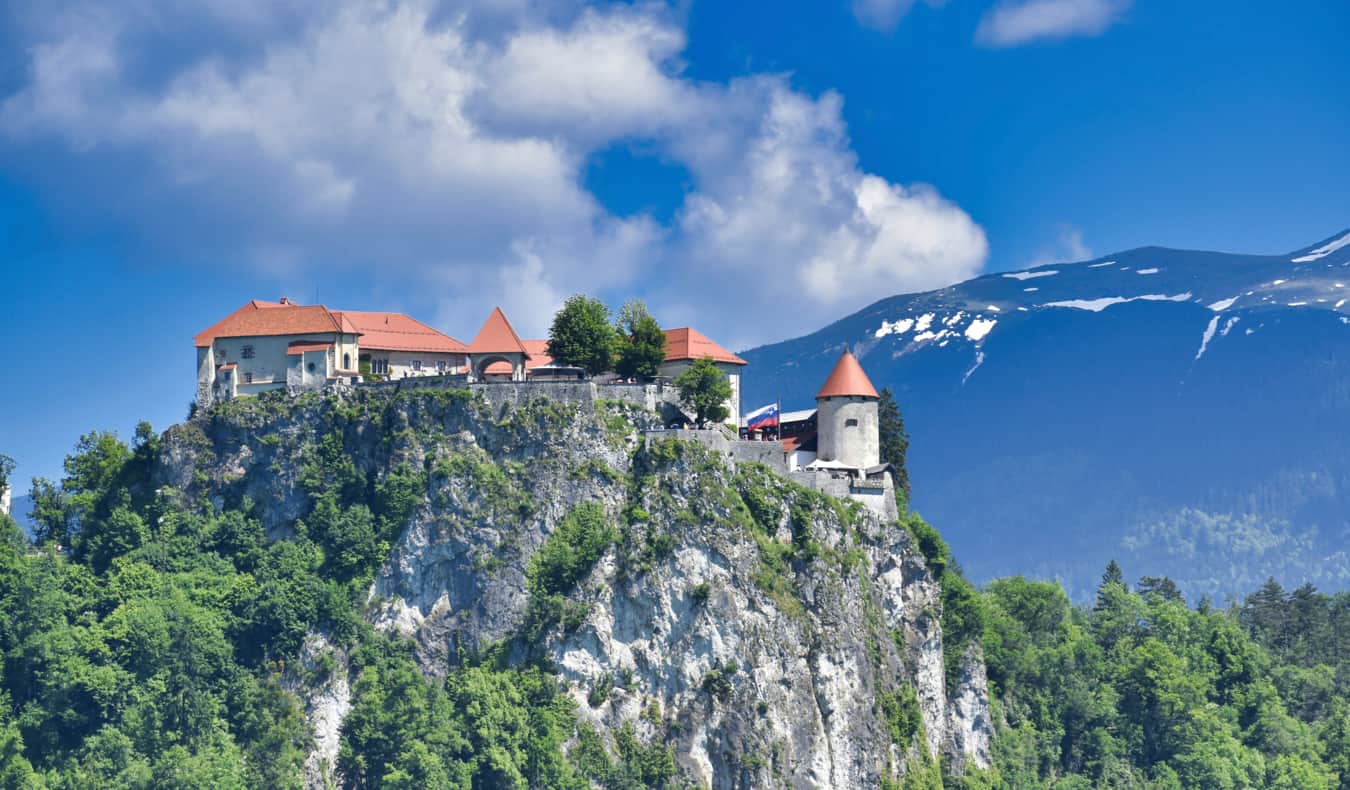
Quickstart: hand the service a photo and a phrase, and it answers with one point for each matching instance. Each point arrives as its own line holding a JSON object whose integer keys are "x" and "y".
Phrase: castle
{"x": 282, "y": 345}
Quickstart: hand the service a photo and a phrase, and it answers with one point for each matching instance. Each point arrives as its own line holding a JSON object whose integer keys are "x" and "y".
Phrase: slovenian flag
{"x": 763, "y": 417}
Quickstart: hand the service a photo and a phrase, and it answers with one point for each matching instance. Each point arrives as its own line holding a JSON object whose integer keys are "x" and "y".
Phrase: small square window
{"x": 248, "y": 378}
{"x": 246, "y": 352}
{"x": 850, "y": 423}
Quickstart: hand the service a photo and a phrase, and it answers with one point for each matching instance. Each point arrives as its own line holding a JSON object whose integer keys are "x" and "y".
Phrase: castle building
{"x": 275, "y": 345}
{"x": 283, "y": 345}
{"x": 497, "y": 352}
{"x": 847, "y": 425}
{"x": 686, "y": 344}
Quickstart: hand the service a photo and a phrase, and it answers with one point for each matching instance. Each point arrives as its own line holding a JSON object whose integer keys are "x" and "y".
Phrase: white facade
{"x": 848, "y": 431}
{"x": 410, "y": 364}
{"x": 265, "y": 363}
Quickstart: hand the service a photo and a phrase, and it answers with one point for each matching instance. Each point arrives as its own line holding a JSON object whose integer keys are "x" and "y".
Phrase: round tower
{"x": 847, "y": 429}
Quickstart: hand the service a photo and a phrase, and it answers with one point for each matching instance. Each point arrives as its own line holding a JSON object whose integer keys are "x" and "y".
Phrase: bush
{"x": 570, "y": 551}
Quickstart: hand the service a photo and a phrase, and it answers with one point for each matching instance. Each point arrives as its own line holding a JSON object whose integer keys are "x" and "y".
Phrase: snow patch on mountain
{"x": 1228, "y": 326}
{"x": 1324, "y": 250}
{"x": 1147, "y": 271}
{"x": 1029, "y": 275}
{"x": 894, "y": 327}
{"x": 1098, "y": 305}
{"x": 979, "y": 360}
{"x": 979, "y": 328}
{"x": 1223, "y": 304}
{"x": 993, "y": 307}
{"x": 1208, "y": 336}
{"x": 1100, "y": 265}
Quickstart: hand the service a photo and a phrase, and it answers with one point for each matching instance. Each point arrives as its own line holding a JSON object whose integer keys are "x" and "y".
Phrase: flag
{"x": 763, "y": 417}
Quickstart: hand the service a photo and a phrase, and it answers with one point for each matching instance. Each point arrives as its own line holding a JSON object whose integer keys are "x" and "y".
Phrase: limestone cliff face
{"x": 772, "y": 635}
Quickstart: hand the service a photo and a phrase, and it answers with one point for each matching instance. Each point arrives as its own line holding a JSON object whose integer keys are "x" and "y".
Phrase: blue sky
{"x": 757, "y": 169}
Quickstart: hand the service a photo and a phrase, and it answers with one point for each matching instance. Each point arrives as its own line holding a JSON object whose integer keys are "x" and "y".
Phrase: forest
{"x": 147, "y": 641}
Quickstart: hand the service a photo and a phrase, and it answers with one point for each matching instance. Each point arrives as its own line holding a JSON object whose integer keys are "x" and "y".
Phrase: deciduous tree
{"x": 705, "y": 389}
{"x": 581, "y": 335}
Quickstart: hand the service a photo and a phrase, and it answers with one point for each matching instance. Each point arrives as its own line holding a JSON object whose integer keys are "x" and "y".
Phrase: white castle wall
{"x": 848, "y": 431}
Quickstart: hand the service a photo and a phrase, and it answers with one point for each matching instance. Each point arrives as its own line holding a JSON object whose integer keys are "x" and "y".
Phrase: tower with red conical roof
{"x": 848, "y": 430}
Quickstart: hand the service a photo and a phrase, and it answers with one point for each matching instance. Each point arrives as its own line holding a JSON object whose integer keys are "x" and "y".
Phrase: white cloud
{"x": 1016, "y": 22}
{"x": 448, "y": 146}
{"x": 884, "y": 15}
{"x": 1068, "y": 247}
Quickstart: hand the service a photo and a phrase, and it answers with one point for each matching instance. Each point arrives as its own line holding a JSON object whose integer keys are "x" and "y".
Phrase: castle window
{"x": 379, "y": 366}
{"x": 246, "y": 352}
{"x": 850, "y": 423}
{"x": 417, "y": 364}
{"x": 440, "y": 366}
{"x": 248, "y": 378}
{"x": 310, "y": 366}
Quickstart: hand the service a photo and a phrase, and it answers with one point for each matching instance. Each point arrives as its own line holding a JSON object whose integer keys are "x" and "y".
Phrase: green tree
{"x": 6, "y": 469}
{"x": 894, "y": 438}
{"x": 1161, "y": 586}
{"x": 582, "y": 336}
{"x": 705, "y": 389}
{"x": 1111, "y": 578}
{"x": 640, "y": 345}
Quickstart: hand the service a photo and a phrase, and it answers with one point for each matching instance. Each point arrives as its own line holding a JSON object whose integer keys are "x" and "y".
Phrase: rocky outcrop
{"x": 969, "y": 727}
{"x": 323, "y": 687}
{"x": 772, "y": 635}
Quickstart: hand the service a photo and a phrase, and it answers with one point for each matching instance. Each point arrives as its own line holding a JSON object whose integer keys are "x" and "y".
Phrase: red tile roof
{"x": 497, "y": 337}
{"x": 847, "y": 378}
{"x": 263, "y": 319}
{"x": 538, "y": 351}
{"x": 805, "y": 441}
{"x": 227, "y": 366}
{"x": 689, "y": 343}
{"x": 501, "y": 366}
{"x": 398, "y": 332}
{"x": 297, "y": 347}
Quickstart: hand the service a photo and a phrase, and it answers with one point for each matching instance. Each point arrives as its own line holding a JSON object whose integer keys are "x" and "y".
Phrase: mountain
{"x": 21, "y": 510}
{"x": 1185, "y": 412}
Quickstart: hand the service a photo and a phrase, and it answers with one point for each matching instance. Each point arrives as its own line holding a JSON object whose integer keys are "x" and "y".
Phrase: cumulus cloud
{"x": 1012, "y": 24}
{"x": 884, "y": 15}
{"x": 448, "y": 145}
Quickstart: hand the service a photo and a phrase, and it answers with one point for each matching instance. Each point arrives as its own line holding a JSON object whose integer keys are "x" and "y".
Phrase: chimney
{"x": 284, "y": 300}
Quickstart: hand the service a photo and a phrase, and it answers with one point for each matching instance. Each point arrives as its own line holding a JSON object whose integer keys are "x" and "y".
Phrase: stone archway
{"x": 482, "y": 363}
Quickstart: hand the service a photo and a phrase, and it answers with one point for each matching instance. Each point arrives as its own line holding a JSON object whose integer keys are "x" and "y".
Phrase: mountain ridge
{"x": 1143, "y": 365}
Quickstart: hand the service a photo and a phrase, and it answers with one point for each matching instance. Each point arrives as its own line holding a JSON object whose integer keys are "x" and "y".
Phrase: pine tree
{"x": 894, "y": 439}
{"x": 1113, "y": 577}
{"x": 1161, "y": 586}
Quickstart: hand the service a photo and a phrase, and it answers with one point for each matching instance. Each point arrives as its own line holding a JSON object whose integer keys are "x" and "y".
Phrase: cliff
{"x": 769, "y": 634}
